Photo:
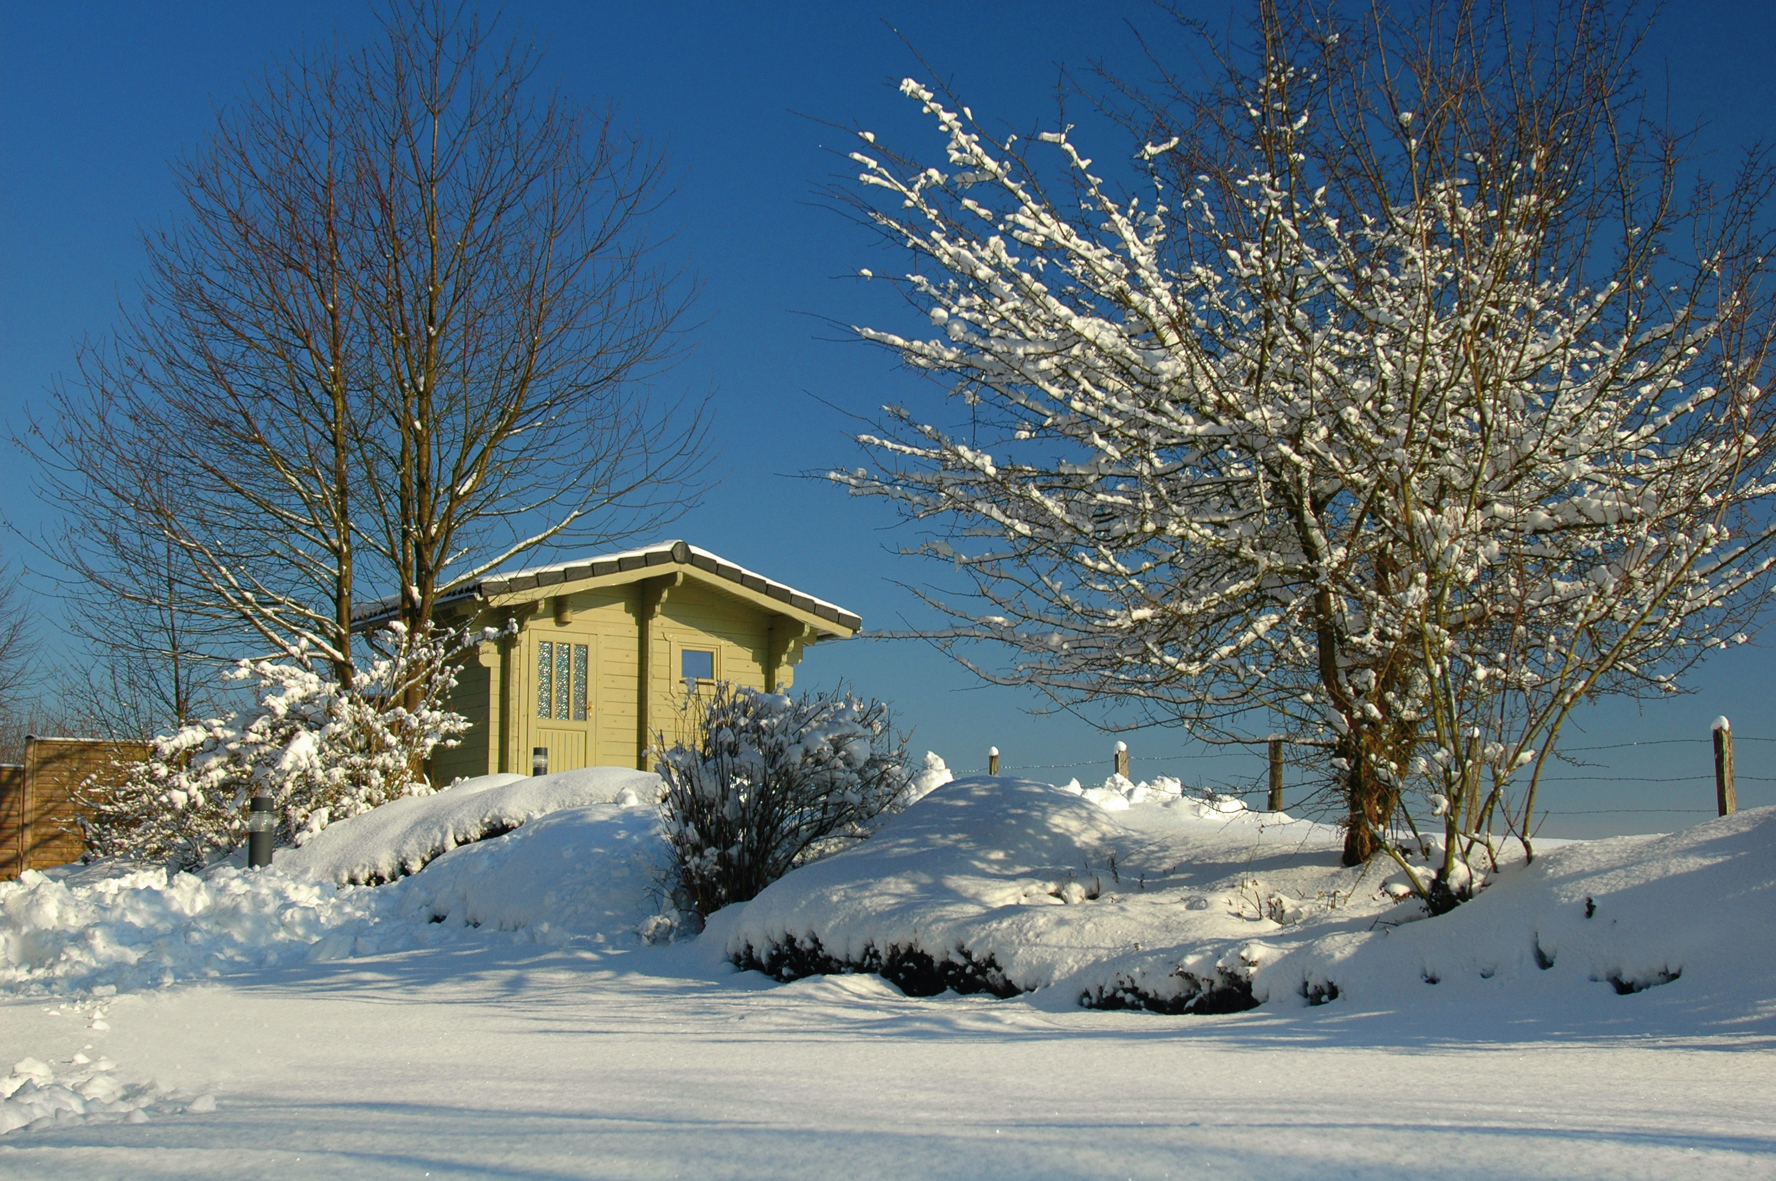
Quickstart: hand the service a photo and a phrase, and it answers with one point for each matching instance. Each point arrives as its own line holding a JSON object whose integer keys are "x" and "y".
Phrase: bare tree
{"x": 515, "y": 305}
{"x": 400, "y": 334}
{"x": 142, "y": 666}
{"x": 1415, "y": 399}
{"x": 14, "y": 640}
{"x": 24, "y": 708}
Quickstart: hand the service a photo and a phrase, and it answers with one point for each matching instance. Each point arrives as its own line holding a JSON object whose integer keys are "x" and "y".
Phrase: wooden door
{"x": 563, "y": 701}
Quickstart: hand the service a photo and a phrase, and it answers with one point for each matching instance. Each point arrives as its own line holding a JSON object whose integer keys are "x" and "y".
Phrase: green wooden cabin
{"x": 604, "y": 650}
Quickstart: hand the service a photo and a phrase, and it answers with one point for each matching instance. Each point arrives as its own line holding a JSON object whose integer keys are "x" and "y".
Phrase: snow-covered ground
{"x": 502, "y": 1011}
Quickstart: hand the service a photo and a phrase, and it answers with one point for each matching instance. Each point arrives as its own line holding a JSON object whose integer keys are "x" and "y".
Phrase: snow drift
{"x": 1133, "y": 897}
{"x": 1619, "y": 916}
{"x": 403, "y": 835}
{"x": 571, "y": 869}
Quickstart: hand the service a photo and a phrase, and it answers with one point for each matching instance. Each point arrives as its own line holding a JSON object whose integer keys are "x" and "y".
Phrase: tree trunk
{"x": 1371, "y": 801}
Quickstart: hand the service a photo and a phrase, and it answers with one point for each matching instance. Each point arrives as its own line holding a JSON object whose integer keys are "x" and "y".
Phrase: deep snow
{"x": 590, "y": 871}
{"x": 1172, "y": 901}
{"x": 275, "y": 1023}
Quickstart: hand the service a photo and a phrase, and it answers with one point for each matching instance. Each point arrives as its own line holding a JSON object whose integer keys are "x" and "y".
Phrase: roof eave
{"x": 831, "y": 621}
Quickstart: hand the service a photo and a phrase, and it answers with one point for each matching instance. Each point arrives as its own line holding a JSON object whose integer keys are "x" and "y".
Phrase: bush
{"x": 774, "y": 783}
{"x": 322, "y": 751}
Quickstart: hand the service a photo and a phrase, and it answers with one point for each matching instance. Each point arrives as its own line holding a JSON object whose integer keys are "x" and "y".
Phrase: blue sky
{"x": 97, "y": 98}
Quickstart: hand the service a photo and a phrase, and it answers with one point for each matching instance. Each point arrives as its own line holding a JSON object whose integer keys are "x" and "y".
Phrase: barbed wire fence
{"x": 1313, "y": 774}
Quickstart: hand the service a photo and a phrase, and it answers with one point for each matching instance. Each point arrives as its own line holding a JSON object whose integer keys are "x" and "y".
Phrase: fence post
{"x": 992, "y": 760}
{"x": 1724, "y": 796}
{"x": 1276, "y": 774}
{"x": 1122, "y": 759}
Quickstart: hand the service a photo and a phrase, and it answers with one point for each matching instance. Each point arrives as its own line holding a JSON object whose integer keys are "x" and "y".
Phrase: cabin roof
{"x": 664, "y": 557}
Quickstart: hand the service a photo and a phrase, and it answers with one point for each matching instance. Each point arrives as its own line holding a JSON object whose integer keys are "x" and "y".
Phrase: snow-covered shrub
{"x": 322, "y": 751}
{"x": 773, "y": 783}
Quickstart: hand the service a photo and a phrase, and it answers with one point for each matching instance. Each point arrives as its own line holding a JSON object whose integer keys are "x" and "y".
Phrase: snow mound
{"x": 593, "y": 872}
{"x": 145, "y": 928}
{"x": 587, "y": 872}
{"x": 403, "y": 835}
{"x": 931, "y": 774}
{"x": 1119, "y": 897}
{"x": 1008, "y": 885}
{"x": 1689, "y": 909}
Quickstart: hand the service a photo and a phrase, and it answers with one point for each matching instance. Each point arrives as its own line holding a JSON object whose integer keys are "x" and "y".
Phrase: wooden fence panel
{"x": 12, "y": 820}
{"x": 38, "y": 798}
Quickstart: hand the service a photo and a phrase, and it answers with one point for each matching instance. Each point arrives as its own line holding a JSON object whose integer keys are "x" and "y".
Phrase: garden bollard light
{"x": 539, "y": 760}
{"x": 261, "y": 827}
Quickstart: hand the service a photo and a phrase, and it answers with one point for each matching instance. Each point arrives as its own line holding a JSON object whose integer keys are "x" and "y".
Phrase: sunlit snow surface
{"x": 500, "y": 1012}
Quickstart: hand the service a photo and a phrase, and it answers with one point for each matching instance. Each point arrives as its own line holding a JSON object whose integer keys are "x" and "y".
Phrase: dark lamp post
{"x": 261, "y": 827}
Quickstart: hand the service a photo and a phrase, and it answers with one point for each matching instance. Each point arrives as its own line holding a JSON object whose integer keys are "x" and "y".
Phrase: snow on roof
{"x": 664, "y": 553}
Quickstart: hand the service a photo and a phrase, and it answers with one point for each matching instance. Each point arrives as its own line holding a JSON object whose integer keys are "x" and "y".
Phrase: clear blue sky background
{"x": 96, "y": 98}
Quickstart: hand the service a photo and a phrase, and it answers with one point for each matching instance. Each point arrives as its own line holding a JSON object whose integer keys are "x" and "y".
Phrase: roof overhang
{"x": 828, "y": 620}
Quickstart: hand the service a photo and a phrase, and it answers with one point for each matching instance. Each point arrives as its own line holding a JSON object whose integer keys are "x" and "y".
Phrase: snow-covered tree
{"x": 1427, "y": 416}
{"x": 322, "y": 751}
{"x": 774, "y": 782}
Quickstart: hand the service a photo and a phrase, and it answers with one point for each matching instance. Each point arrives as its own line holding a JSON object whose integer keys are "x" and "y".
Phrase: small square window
{"x": 696, "y": 666}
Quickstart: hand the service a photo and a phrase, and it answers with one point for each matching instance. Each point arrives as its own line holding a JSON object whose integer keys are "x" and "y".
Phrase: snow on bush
{"x": 1007, "y": 885}
{"x": 1139, "y": 896}
{"x": 323, "y": 752}
{"x": 774, "y": 783}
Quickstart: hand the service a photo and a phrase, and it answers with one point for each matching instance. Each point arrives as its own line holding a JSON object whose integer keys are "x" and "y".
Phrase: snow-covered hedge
{"x": 1138, "y": 896}
{"x": 1118, "y": 896}
{"x": 403, "y": 835}
{"x": 583, "y": 858}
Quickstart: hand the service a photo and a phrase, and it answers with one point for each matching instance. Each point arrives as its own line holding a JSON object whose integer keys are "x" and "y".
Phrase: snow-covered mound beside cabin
{"x": 1130, "y": 896}
{"x": 572, "y": 869}
{"x": 1123, "y": 895}
{"x": 403, "y": 835}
